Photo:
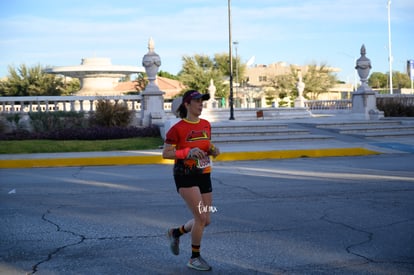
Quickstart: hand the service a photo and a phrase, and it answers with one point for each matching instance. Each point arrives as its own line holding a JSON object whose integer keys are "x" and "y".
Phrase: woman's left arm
{"x": 214, "y": 151}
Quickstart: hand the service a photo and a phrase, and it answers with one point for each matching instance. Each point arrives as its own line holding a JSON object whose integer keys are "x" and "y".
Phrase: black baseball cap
{"x": 193, "y": 94}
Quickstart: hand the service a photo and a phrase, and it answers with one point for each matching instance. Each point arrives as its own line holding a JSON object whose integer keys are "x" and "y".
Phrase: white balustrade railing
{"x": 341, "y": 104}
{"x": 88, "y": 103}
{"x": 26, "y": 104}
{"x": 345, "y": 105}
{"x": 62, "y": 103}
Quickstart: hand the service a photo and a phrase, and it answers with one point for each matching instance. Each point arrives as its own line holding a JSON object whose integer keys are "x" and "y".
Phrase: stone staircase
{"x": 372, "y": 129}
{"x": 291, "y": 131}
{"x": 260, "y": 131}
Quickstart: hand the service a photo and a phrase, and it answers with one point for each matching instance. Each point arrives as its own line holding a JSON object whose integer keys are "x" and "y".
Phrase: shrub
{"x": 13, "y": 118}
{"x": 3, "y": 125}
{"x": 53, "y": 121}
{"x": 395, "y": 106}
{"x": 110, "y": 114}
{"x": 9, "y": 122}
{"x": 92, "y": 133}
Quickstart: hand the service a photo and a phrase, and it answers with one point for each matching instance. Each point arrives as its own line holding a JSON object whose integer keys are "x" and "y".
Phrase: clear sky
{"x": 61, "y": 33}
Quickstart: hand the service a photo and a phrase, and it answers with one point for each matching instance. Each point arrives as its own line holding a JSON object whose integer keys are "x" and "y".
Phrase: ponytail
{"x": 182, "y": 111}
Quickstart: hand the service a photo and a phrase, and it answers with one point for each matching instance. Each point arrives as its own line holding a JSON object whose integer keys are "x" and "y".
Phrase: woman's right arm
{"x": 168, "y": 152}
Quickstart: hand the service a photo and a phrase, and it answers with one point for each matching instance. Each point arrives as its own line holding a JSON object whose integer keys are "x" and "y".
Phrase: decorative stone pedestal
{"x": 152, "y": 108}
{"x": 152, "y": 104}
{"x": 300, "y": 86}
{"x": 364, "y": 100}
{"x": 212, "y": 102}
{"x": 364, "y": 106}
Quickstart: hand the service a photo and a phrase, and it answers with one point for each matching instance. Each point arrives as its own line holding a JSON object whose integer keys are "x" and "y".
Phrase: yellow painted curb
{"x": 95, "y": 161}
{"x": 225, "y": 156}
{"x": 306, "y": 153}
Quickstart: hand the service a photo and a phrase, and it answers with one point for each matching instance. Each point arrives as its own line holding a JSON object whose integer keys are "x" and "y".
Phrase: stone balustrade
{"x": 329, "y": 105}
{"x": 88, "y": 103}
{"x": 345, "y": 105}
{"x": 62, "y": 103}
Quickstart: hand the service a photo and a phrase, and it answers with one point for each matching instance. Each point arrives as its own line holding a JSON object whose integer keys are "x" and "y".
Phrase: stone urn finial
{"x": 151, "y": 62}
{"x": 151, "y": 46}
{"x": 363, "y": 66}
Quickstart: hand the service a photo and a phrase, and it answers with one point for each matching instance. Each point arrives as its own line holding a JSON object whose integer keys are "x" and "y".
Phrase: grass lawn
{"x": 57, "y": 146}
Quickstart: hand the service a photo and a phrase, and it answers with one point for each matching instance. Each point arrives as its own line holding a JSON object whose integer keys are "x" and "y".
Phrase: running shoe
{"x": 198, "y": 264}
{"x": 174, "y": 242}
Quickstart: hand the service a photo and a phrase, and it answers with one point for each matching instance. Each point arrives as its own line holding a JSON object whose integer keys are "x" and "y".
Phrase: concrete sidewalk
{"x": 230, "y": 152}
{"x": 337, "y": 145}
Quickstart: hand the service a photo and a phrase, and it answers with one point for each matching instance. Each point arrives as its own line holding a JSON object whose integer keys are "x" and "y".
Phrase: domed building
{"x": 97, "y": 75}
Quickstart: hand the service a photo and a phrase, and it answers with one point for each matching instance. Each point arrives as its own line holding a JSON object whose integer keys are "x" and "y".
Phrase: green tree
{"x": 198, "y": 70}
{"x": 25, "y": 81}
{"x": 400, "y": 80}
{"x": 70, "y": 86}
{"x": 222, "y": 63}
{"x": 284, "y": 85}
{"x": 378, "y": 80}
{"x": 167, "y": 75}
{"x": 318, "y": 80}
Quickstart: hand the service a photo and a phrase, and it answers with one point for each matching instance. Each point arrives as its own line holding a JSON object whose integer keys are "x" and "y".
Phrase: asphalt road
{"x": 339, "y": 215}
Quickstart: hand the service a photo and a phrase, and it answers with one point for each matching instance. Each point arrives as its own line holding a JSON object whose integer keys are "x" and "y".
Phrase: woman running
{"x": 188, "y": 142}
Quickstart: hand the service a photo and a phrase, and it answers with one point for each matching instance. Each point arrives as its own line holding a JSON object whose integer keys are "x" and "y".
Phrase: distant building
{"x": 259, "y": 76}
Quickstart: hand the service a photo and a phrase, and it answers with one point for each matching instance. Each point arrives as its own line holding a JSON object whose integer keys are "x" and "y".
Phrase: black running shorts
{"x": 203, "y": 181}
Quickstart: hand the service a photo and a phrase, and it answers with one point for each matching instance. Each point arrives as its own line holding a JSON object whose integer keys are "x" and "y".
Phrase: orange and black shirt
{"x": 190, "y": 134}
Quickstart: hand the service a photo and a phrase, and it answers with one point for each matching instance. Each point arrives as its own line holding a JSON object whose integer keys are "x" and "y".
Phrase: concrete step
{"x": 256, "y": 132}
{"x": 353, "y": 124}
{"x": 387, "y": 134}
{"x": 261, "y": 131}
{"x": 248, "y": 126}
{"x": 242, "y": 114}
{"x": 371, "y": 129}
{"x": 267, "y": 138}
{"x": 376, "y": 128}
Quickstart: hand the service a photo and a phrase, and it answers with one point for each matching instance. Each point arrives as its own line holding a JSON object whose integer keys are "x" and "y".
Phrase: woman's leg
{"x": 197, "y": 202}
{"x": 194, "y": 199}
{"x": 207, "y": 201}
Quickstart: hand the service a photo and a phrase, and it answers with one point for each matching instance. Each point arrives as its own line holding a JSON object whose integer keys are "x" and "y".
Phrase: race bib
{"x": 204, "y": 162}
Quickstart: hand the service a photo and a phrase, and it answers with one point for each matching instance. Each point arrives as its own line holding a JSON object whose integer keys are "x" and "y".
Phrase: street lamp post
{"x": 389, "y": 43}
{"x": 237, "y": 84}
{"x": 230, "y": 64}
{"x": 236, "y": 43}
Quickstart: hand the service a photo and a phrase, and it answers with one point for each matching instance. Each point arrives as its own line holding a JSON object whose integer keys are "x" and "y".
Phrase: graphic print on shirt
{"x": 191, "y": 135}
{"x": 197, "y": 135}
